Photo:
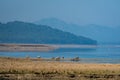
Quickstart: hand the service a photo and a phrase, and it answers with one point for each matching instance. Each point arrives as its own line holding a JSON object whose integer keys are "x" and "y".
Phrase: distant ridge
{"x": 22, "y": 32}
{"x": 103, "y": 34}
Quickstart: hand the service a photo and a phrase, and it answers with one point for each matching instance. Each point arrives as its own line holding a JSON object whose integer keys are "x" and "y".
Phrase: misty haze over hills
{"x": 103, "y": 34}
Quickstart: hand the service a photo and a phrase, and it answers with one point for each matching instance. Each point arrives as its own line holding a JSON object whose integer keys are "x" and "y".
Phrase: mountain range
{"x": 103, "y": 34}
{"x": 23, "y": 32}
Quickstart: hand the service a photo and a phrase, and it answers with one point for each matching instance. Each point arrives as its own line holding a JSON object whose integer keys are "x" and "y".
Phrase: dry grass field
{"x": 37, "y": 69}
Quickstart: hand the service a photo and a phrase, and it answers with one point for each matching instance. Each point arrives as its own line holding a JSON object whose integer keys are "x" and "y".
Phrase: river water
{"x": 99, "y": 54}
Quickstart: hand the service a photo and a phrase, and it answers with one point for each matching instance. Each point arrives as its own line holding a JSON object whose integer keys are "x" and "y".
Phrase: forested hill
{"x": 22, "y": 32}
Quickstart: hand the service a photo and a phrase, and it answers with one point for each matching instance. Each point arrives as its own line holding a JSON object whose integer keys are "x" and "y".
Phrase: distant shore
{"x": 36, "y": 69}
{"x": 39, "y": 47}
{"x": 25, "y": 47}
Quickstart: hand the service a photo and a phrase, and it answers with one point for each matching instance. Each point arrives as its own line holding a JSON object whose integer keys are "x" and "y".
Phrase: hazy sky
{"x": 83, "y": 12}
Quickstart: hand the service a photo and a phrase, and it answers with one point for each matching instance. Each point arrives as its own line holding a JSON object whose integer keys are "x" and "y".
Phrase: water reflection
{"x": 75, "y": 50}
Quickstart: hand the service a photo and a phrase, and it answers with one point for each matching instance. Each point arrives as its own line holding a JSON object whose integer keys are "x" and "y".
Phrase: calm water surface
{"x": 100, "y": 54}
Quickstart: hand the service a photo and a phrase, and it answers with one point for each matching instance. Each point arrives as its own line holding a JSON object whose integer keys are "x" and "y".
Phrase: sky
{"x": 82, "y": 12}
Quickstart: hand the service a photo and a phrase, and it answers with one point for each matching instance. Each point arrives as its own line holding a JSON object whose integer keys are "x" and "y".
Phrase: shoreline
{"x": 36, "y": 69}
{"x": 39, "y": 47}
{"x": 25, "y": 47}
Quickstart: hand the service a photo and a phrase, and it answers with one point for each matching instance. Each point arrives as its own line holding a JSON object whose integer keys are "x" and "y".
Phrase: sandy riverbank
{"x": 29, "y": 69}
{"x": 26, "y": 47}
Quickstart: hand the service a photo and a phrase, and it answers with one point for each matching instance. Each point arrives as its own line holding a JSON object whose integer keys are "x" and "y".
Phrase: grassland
{"x": 37, "y": 69}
